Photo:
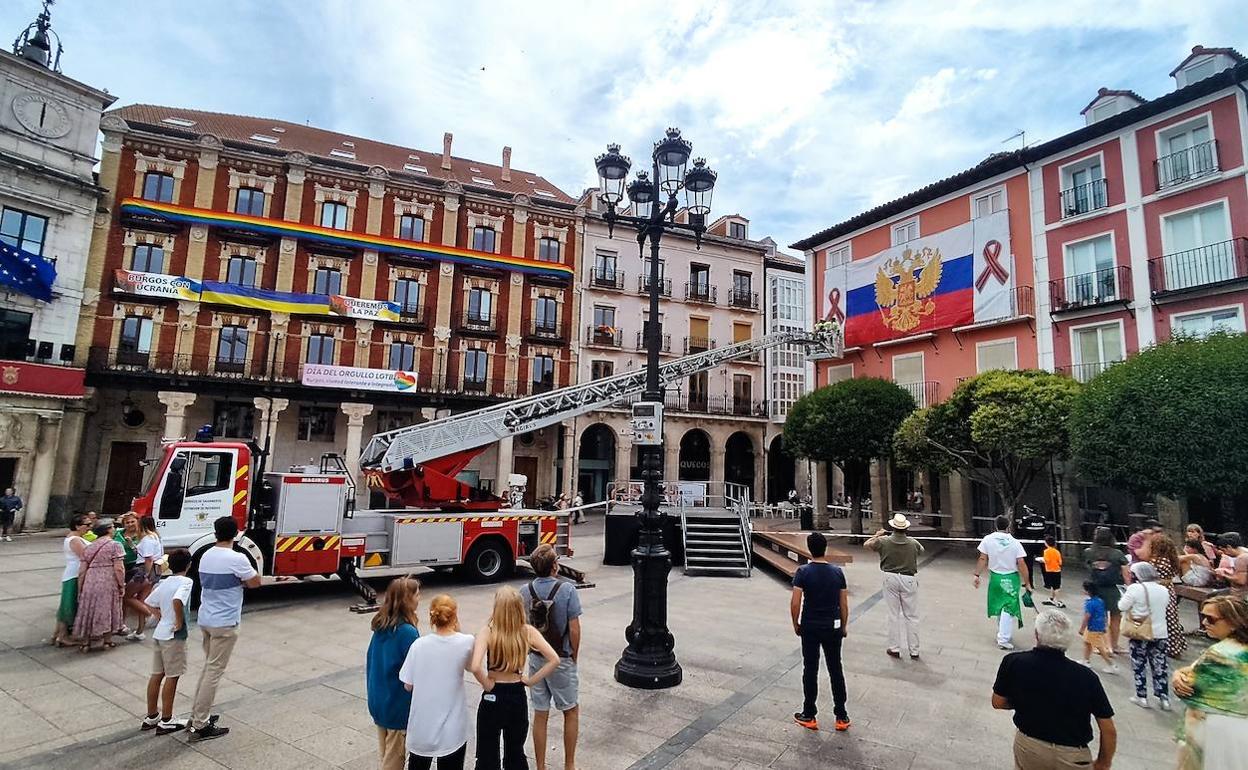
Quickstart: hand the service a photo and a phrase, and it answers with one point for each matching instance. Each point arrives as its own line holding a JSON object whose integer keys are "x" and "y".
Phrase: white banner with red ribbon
{"x": 994, "y": 267}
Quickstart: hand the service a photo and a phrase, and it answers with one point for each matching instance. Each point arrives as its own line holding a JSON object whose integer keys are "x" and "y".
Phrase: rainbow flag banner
{"x": 314, "y": 234}
{"x": 954, "y": 277}
{"x": 218, "y": 293}
{"x": 357, "y": 378}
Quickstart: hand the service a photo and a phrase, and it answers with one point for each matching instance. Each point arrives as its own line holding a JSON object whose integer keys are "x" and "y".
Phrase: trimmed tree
{"x": 848, "y": 424}
{"x": 1172, "y": 420}
{"x": 1000, "y": 428}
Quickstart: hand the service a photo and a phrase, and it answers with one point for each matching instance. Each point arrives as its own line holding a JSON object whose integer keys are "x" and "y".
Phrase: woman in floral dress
{"x": 100, "y": 586}
{"x": 1165, "y": 559}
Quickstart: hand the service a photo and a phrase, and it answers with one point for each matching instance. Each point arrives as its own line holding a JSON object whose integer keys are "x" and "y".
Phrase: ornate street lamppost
{"x": 649, "y": 660}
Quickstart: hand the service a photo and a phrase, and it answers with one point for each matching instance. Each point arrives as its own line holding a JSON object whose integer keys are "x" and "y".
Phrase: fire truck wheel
{"x": 488, "y": 561}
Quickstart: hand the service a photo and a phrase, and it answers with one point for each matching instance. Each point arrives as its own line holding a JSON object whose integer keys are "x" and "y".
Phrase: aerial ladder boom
{"x": 418, "y": 463}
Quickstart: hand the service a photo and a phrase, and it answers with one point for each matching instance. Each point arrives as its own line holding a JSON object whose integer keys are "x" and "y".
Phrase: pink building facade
{"x": 1120, "y": 234}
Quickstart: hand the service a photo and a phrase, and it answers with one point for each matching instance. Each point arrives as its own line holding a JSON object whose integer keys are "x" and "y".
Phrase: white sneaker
{"x": 8, "y": 539}
{"x": 136, "y": 636}
{"x": 1164, "y": 703}
{"x": 1141, "y": 702}
{"x": 1004, "y": 646}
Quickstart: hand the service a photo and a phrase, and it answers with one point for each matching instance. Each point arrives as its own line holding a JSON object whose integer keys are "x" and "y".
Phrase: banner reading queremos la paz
{"x": 220, "y": 293}
{"x": 358, "y": 378}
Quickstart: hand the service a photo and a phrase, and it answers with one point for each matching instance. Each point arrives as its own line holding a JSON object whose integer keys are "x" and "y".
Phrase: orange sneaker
{"x": 842, "y": 725}
{"x": 810, "y": 723}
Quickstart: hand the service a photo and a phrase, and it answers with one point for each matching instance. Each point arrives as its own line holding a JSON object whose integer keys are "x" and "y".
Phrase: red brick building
{"x": 275, "y": 279}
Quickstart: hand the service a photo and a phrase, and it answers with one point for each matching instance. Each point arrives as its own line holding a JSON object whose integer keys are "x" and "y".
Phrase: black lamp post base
{"x": 644, "y": 672}
{"x": 649, "y": 660}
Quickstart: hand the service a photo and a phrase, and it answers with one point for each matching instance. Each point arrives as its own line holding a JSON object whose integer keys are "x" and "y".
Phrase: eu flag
{"x": 26, "y": 272}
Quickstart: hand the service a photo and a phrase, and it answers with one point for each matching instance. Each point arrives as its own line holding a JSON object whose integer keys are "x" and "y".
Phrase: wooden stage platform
{"x": 785, "y": 551}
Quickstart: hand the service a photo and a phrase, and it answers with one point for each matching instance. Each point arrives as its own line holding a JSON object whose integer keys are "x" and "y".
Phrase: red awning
{"x": 27, "y": 379}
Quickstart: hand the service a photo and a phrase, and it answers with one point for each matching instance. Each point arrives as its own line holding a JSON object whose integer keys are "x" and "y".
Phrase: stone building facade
{"x": 715, "y": 422}
{"x": 48, "y": 198}
{"x": 309, "y": 288}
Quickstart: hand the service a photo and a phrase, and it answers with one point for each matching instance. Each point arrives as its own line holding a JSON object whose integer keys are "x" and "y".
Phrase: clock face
{"x": 41, "y": 115}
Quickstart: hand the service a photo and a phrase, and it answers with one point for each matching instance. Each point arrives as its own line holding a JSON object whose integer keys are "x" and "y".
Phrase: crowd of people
{"x": 526, "y": 654}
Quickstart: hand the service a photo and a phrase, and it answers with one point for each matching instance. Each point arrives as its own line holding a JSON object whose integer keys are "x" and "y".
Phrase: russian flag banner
{"x": 955, "y": 277}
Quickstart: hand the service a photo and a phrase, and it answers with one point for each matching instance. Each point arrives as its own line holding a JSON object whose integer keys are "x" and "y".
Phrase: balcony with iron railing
{"x": 1214, "y": 264}
{"x": 606, "y": 278}
{"x": 1110, "y": 285}
{"x": 743, "y": 299}
{"x": 1084, "y": 198}
{"x": 665, "y": 342}
{"x": 665, "y": 286}
{"x": 698, "y": 345}
{"x": 926, "y": 393}
{"x": 479, "y": 322}
{"x": 1085, "y": 371}
{"x": 697, "y": 403}
{"x": 701, "y": 292}
{"x": 473, "y": 385}
{"x": 604, "y": 336}
{"x": 545, "y": 330}
{"x": 412, "y": 313}
{"x": 1188, "y": 164}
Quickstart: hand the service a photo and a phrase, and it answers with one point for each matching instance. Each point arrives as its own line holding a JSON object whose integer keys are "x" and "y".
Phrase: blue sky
{"x": 810, "y": 111}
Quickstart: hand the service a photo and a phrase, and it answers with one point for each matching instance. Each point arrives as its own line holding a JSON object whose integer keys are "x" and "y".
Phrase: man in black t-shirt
{"x": 1054, "y": 700}
{"x": 819, "y": 607}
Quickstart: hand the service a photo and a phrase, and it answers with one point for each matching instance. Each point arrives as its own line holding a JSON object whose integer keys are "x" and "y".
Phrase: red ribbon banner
{"x": 835, "y": 313}
{"x": 993, "y": 269}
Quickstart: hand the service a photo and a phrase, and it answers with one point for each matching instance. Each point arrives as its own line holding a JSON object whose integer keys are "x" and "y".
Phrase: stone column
{"x": 47, "y": 435}
{"x": 264, "y": 417}
{"x": 956, "y": 502}
{"x": 717, "y": 466}
{"x": 671, "y": 461}
{"x": 175, "y": 403}
{"x": 503, "y": 467}
{"x": 569, "y": 479}
{"x": 355, "y": 435}
{"x": 363, "y": 341}
{"x": 759, "y": 493}
{"x": 819, "y": 495}
{"x": 623, "y": 460}
{"x": 881, "y": 490}
{"x": 75, "y": 417}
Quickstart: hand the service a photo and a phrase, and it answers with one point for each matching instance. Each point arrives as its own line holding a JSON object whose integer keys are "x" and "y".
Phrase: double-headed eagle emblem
{"x": 903, "y": 288}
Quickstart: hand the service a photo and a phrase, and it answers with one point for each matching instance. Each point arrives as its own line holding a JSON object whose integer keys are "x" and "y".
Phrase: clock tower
{"x": 49, "y": 124}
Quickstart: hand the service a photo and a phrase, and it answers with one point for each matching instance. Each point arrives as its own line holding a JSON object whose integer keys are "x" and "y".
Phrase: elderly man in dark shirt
{"x": 1054, "y": 700}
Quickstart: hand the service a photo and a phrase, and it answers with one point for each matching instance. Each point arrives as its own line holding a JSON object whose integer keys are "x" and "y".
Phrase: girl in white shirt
{"x": 437, "y": 726}
{"x": 149, "y": 550}
{"x": 72, "y": 548}
{"x": 1145, "y": 598}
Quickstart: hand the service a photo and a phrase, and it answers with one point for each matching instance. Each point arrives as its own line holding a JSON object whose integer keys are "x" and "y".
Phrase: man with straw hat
{"x": 899, "y": 561}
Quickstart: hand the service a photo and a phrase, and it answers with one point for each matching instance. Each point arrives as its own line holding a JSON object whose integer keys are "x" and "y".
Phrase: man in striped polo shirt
{"x": 223, "y": 573}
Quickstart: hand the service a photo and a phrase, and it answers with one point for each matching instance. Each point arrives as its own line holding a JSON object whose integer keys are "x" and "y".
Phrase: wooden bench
{"x": 1193, "y": 593}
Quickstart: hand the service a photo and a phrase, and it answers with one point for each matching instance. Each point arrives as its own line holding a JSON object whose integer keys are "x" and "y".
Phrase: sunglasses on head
{"x": 1209, "y": 619}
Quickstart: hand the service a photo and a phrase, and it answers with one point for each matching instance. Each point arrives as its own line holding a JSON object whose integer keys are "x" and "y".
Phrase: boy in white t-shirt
{"x": 170, "y": 600}
{"x": 1006, "y": 561}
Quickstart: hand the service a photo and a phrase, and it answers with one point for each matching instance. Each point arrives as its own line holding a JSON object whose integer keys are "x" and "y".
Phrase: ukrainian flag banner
{"x": 956, "y": 277}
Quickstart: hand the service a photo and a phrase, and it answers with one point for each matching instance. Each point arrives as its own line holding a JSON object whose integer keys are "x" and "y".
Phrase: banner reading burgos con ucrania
{"x": 357, "y": 378}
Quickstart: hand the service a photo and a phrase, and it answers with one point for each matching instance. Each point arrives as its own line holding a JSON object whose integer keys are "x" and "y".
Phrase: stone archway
{"x": 781, "y": 471}
{"x": 695, "y": 456}
{"x": 595, "y": 462}
{"x": 739, "y": 461}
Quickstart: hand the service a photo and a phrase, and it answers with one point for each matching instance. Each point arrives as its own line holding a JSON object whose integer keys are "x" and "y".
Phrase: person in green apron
{"x": 1006, "y": 561}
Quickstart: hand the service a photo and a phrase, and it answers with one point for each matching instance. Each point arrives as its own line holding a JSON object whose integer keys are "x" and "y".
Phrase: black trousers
{"x": 503, "y": 715}
{"x": 828, "y": 642}
{"x": 452, "y": 761}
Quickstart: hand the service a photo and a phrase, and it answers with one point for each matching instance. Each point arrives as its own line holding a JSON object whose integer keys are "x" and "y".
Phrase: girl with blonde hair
{"x": 394, "y": 631}
{"x": 499, "y": 662}
{"x": 437, "y": 722}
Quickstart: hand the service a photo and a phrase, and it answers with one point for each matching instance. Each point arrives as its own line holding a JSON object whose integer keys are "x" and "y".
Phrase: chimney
{"x": 446, "y": 150}
{"x": 506, "y": 164}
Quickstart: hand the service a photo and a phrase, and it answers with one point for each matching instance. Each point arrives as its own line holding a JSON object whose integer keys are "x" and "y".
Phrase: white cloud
{"x": 810, "y": 110}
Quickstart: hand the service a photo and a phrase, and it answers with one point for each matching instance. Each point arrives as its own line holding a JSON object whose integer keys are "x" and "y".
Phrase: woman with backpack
{"x": 500, "y": 663}
{"x": 1107, "y": 568}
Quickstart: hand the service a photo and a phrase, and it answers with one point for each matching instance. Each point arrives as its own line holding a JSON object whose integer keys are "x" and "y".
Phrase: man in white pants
{"x": 1006, "y": 561}
{"x": 899, "y": 561}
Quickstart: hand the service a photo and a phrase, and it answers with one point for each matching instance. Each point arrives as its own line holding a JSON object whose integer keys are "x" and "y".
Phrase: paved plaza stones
{"x": 293, "y": 696}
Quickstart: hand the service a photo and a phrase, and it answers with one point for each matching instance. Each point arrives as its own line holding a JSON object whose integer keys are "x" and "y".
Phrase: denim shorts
{"x": 560, "y": 688}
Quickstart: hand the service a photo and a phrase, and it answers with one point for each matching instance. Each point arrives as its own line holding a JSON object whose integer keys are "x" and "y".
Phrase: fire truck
{"x": 304, "y": 522}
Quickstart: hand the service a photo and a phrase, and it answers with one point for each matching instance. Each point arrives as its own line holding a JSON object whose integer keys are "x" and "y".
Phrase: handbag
{"x": 1140, "y": 629}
